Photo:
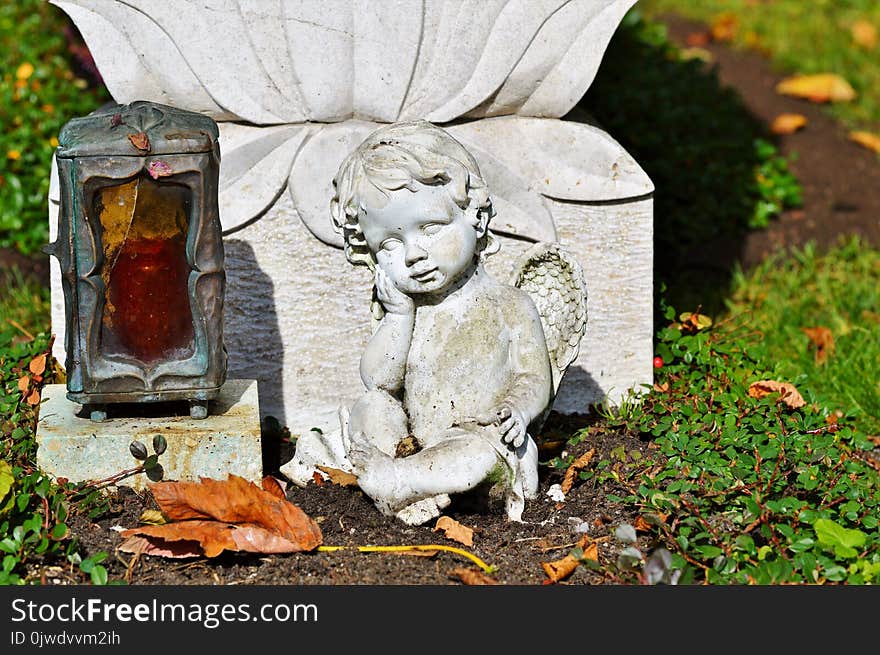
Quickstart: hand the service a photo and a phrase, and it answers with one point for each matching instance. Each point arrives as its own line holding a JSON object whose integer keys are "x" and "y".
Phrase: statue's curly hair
{"x": 397, "y": 156}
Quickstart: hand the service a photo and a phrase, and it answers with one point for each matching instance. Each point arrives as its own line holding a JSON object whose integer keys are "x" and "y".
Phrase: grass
{"x": 838, "y": 290}
{"x": 803, "y": 37}
{"x": 40, "y": 89}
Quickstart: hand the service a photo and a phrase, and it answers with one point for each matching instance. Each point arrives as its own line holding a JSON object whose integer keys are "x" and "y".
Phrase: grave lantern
{"x": 141, "y": 257}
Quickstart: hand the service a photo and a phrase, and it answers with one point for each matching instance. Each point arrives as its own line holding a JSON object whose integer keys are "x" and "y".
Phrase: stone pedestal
{"x": 72, "y": 446}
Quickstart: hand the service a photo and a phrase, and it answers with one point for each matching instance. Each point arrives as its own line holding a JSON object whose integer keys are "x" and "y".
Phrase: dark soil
{"x": 841, "y": 183}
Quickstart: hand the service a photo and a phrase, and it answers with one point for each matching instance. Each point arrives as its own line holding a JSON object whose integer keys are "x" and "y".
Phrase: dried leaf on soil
{"x": 152, "y": 517}
{"x": 34, "y": 398}
{"x": 38, "y": 364}
{"x": 173, "y": 549}
{"x": 867, "y": 140}
{"x": 788, "y": 123}
{"x": 562, "y": 568}
{"x": 340, "y": 477}
{"x": 231, "y": 514}
{"x": 140, "y": 141}
{"x": 472, "y": 576}
{"x": 578, "y": 465}
{"x": 23, "y": 383}
{"x": 822, "y": 341}
{"x": 788, "y": 394}
{"x": 724, "y": 27}
{"x": 864, "y": 34}
{"x": 455, "y": 531}
{"x": 822, "y": 87}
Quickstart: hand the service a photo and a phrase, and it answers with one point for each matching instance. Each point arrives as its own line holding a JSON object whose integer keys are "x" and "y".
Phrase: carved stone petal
{"x": 285, "y": 61}
{"x": 254, "y": 167}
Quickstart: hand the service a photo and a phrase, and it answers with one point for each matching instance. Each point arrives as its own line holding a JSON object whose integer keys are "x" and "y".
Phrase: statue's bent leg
{"x": 380, "y": 418}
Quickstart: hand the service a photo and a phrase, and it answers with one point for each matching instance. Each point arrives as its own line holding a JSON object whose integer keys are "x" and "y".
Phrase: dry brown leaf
{"x": 317, "y": 478}
{"x": 724, "y": 27}
{"x": 140, "y": 141}
{"x": 152, "y": 517}
{"x": 273, "y": 486}
{"x": 23, "y": 383}
{"x": 788, "y": 394}
{"x": 661, "y": 388}
{"x": 642, "y": 524}
{"x": 788, "y": 123}
{"x": 867, "y": 140}
{"x": 237, "y": 501}
{"x": 864, "y": 34}
{"x": 455, "y": 531}
{"x": 38, "y": 364}
{"x": 472, "y": 576}
{"x": 698, "y": 39}
{"x": 822, "y": 87}
{"x": 213, "y": 537}
{"x": 576, "y": 466}
{"x": 822, "y": 341}
{"x": 562, "y": 568}
{"x": 340, "y": 477}
{"x": 34, "y": 398}
{"x": 174, "y": 549}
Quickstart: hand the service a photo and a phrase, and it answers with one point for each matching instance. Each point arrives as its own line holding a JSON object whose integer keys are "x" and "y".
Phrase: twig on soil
{"x": 399, "y": 549}
{"x": 20, "y": 328}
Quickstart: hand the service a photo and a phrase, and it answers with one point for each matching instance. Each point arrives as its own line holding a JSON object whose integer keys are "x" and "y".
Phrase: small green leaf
{"x": 843, "y": 541}
{"x": 99, "y": 575}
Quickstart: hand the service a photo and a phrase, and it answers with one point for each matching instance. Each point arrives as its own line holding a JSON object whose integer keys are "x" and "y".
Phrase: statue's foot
{"x": 424, "y": 510}
{"x": 377, "y": 475}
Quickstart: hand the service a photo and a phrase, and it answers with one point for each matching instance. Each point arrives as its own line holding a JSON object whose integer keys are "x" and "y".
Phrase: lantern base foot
{"x": 198, "y": 409}
{"x": 97, "y": 413}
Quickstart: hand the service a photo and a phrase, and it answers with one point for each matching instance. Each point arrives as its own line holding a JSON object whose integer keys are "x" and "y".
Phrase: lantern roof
{"x": 138, "y": 129}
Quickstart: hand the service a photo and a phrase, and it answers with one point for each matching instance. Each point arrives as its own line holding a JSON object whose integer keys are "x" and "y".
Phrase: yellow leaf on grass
{"x": 24, "y": 71}
{"x": 788, "y": 393}
{"x": 864, "y": 34}
{"x": 822, "y": 340}
{"x": 454, "y": 530}
{"x": 788, "y": 123}
{"x": 822, "y": 87}
{"x": 867, "y": 140}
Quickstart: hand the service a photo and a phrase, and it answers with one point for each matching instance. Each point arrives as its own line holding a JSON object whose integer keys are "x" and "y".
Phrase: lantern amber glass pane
{"x": 146, "y": 314}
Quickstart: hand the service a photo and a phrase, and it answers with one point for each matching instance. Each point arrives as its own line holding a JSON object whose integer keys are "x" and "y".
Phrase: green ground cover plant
{"x": 803, "y": 37}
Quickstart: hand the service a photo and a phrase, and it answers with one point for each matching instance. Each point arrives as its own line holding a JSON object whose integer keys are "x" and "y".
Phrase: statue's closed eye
{"x": 391, "y": 244}
{"x": 431, "y": 228}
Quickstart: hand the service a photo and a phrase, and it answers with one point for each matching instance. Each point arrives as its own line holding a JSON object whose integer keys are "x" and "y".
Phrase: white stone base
{"x": 70, "y": 445}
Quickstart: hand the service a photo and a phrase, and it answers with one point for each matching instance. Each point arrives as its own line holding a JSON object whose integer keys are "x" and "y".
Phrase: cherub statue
{"x": 461, "y": 368}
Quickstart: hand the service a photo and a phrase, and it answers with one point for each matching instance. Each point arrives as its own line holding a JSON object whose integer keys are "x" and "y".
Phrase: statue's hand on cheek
{"x": 393, "y": 299}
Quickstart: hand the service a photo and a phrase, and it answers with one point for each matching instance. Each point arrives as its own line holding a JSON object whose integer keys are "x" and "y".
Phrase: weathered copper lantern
{"x": 141, "y": 256}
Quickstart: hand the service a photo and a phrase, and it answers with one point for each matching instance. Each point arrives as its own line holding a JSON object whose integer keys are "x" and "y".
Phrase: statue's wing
{"x": 555, "y": 281}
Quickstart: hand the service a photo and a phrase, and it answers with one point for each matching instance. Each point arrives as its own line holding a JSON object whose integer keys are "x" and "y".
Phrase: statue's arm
{"x": 383, "y": 364}
{"x": 531, "y": 387}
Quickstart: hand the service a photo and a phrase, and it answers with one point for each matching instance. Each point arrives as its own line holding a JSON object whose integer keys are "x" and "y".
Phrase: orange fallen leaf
{"x": 231, "y": 514}
{"x": 644, "y": 525}
{"x": 472, "y": 576}
{"x": 698, "y": 39}
{"x": 788, "y": 123}
{"x": 661, "y": 388}
{"x": 562, "y": 568}
{"x": 576, "y": 466}
{"x": 454, "y": 530}
{"x": 864, "y": 34}
{"x": 173, "y": 549}
{"x": 317, "y": 478}
{"x": 822, "y": 87}
{"x": 867, "y": 140}
{"x": 724, "y": 27}
{"x": 140, "y": 141}
{"x": 273, "y": 486}
{"x": 788, "y": 394}
{"x": 23, "y": 383}
{"x": 38, "y": 364}
{"x": 34, "y": 398}
{"x": 340, "y": 477}
{"x": 822, "y": 341}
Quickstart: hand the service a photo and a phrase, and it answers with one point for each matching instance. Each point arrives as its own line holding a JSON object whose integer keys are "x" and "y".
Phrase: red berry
{"x": 658, "y": 362}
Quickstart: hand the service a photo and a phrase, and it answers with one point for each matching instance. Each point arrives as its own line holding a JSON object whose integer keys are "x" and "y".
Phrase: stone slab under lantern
{"x": 71, "y": 446}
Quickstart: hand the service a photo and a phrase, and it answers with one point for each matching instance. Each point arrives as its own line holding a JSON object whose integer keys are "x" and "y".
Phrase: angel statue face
{"x": 421, "y": 238}
{"x": 410, "y": 200}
